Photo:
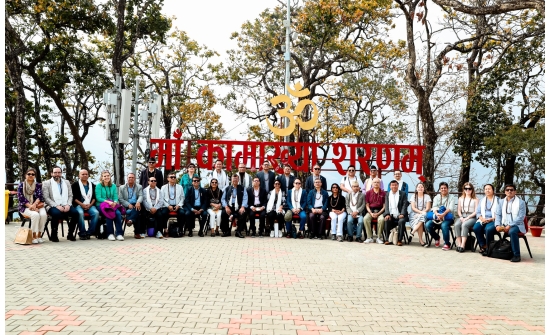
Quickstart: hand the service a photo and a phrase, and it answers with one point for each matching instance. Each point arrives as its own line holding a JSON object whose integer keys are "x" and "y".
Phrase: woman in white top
{"x": 421, "y": 203}
{"x": 274, "y": 209}
{"x": 467, "y": 205}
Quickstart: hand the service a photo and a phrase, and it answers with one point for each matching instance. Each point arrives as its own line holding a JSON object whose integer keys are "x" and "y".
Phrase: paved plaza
{"x": 267, "y": 286}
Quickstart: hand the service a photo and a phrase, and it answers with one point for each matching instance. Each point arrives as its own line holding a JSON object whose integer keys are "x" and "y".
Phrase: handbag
{"x": 393, "y": 236}
{"x": 470, "y": 242}
{"x": 23, "y": 236}
{"x": 501, "y": 249}
{"x": 448, "y": 217}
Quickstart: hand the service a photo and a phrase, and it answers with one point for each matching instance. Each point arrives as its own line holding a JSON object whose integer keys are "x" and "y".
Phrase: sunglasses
{"x": 152, "y": 181}
{"x": 351, "y": 170}
{"x": 509, "y": 190}
{"x": 316, "y": 169}
{"x": 277, "y": 184}
{"x": 196, "y": 181}
{"x": 172, "y": 177}
{"x": 467, "y": 188}
{"x": 30, "y": 174}
{"x": 214, "y": 182}
{"x": 297, "y": 183}
{"x": 151, "y": 162}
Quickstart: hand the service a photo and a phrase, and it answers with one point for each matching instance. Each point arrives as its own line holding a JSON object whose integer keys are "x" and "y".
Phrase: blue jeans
{"x": 303, "y": 216}
{"x": 118, "y": 224}
{"x": 359, "y": 226}
{"x": 485, "y": 233}
{"x": 514, "y": 239}
{"x": 445, "y": 227}
{"x": 92, "y": 223}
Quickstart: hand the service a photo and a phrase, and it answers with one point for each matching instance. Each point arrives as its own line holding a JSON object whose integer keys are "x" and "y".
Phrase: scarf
{"x": 246, "y": 182}
{"x": 394, "y": 202}
{"x": 223, "y": 182}
{"x": 296, "y": 198}
{"x": 271, "y": 202}
{"x": 510, "y": 211}
{"x": 87, "y": 196}
{"x": 60, "y": 198}
{"x": 28, "y": 191}
{"x": 484, "y": 206}
{"x": 353, "y": 204}
{"x": 148, "y": 193}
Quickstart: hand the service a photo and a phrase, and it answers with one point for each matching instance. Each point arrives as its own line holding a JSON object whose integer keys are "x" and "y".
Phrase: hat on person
{"x": 152, "y": 159}
{"x": 107, "y": 210}
{"x": 373, "y": 167}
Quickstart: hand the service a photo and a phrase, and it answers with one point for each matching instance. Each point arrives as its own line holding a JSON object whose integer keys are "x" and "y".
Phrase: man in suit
{"x": 286, "y": 179}
{"x": 257, "y": 200}
{"x": 149, "y": 172}
{"x": 58, "y": 196}
{"x": 83, "y": 201}
{"x": 316, "y": 174}
{"x": 355, "y": 205}
{"x": 153, "y": 202}
{"x": 196, "y": 205}
{"x": 130, "y": 195}
{"x": 267, "y": 177}
{"x": 395, "y": 213}
{"x": 235, "y": 203}
{"x": 172, "y": 194}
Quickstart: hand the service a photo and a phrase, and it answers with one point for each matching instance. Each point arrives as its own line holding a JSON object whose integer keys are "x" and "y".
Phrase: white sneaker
{"x": 40, "y": 240}
{"x": 142, "y": 235}
{"x": 120, "y": 238}
{"x": 280, "y": 233}
{"x": 159, "y": 234}
{"x": 369, "y": 240}
{"x": 379, "y": 241}
{"x": 111, "y": 237}
{"x": 272, "y": 234}
{"x": 35, "y": 241}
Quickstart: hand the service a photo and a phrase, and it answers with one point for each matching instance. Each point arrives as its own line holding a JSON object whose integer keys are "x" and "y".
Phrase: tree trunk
{"x": 430, "y": 139}
{"x": 10, "y": 137}
{"x": 465, "y": 166}
{"x": 509, "y": 169}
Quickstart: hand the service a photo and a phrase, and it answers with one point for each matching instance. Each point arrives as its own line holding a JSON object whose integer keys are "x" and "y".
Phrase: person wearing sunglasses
{"x": 348, "y": 180}
{"x": 153, "y": 202}
{"x": 296, "y": 200}
{"x": 337, "y": 213}
{"x": 235, "y": 203}
{"x": 467, "y": 205}
{"x": 151, "y": 172}
{"x": 257, "y": 200}
{"x": 214, "y": 198}
{"x": 58, "y": 196}
{"x": 83, "y": 202}
{"x": 31, "y": 204}
{"x": 196, "y": 206}
{"x": 316, "y": 174}
{"x": 509, "y": 219}
{"x": 186, "y": 180}
{"x": 172, "y": 194}
{"x": 130, "y": 195}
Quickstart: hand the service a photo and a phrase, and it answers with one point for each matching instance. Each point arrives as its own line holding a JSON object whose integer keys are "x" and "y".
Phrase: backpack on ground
{"x": 501, "y": 249}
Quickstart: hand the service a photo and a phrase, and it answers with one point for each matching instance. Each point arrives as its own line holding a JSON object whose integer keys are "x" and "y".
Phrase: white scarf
{"x": 394, "y": 202}
{"x": 60, "y": 198}
{"x": 272, "y": 200}
{"x": 149, "y": 196}
{"x": 509, "y": 211}
{"x": 484, "y": 206}
{"x": 223, "y": 182}
{"x": 87, "y": 196}
{"x": 296, "y": 199}
{"x": 246, "y": 183}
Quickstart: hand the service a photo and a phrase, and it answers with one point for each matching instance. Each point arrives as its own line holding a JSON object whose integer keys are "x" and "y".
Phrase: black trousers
{"x": 191, "y": 219}
{"x": 272, "y": 216}
{"x": 154, "y": 220}
{"x": 392, "y": 223}
{"x": 253, "y": 217}
{"x": 317, "y": 222}
{"x": 225, "y": 225}
{"x": 180, "y": 215}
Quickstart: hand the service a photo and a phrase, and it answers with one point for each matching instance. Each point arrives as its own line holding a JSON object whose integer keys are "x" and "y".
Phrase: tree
{"x": 498, "y": 7}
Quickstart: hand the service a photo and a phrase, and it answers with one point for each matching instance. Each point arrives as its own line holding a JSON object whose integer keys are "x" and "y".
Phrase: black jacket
{"x": 251, "y": 198}
{"x": 77, "y": 195}
{"x": 271, "y": 179}
{"x": 144, "y": 181}
{"x": 189, "y": 201}
{"x": 309, "y": 183}
{"x": 402, "y": 205}
{"x": 281, "y": 178}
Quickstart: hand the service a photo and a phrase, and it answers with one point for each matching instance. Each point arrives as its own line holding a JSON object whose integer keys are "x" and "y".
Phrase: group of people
{"x": 269, "y": 202}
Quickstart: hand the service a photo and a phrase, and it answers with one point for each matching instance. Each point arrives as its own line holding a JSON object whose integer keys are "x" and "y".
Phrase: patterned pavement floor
{"x": 205, "y": 285}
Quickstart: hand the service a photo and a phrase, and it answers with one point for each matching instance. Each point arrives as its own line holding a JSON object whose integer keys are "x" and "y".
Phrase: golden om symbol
{"x": 293, "y": 116}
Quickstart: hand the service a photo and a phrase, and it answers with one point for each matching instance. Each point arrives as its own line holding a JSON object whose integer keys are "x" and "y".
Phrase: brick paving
{"x": 267, "y": 286}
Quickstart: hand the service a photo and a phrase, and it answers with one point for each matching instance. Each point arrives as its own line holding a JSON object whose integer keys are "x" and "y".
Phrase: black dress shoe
{"x": 83, "y": 237}
{"x": 311, "y": 236}
{"x": 322, "y": 237}
{"x": 190, "y": 234}
{"x": 461, "y": 250}
{"x": 350, "y": 239}
{"x": 54, "y": 238}
{"x": 358, "y": 240}
{"x": 201, "y": 234}
{"x": 71, "y": 237}
{"x": 238, "y": 234}
{"x": 253, "y": 234}
{"x": 516, "y": 259}
{"x": 248, "y": 233}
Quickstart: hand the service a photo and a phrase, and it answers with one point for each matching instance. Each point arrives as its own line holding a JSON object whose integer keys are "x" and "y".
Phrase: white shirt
{"x": 348, "y": 181}
{"x": 394, "y": 201}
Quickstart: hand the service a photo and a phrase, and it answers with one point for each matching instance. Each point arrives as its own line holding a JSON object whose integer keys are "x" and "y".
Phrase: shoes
{"x": 446, "y": 247}
{"x": 120, "y": 238}
{"x": 301, "y": 235}
{"x": 436, "y": 243}
{"x": 424, "y": 244}
{"x": 333, "y": 237}
{"x": 217, "y": 233}
{"x": 201, "y": 234}
{"x": 358, "y": 239}
{"x": 159, "y": 234}
{"x": 516, "y": 259}
{"x": 340, "y": 239}
{"x": 350, "y": 238}
{"x": 379, "y": 241}
{"x": 368, "y": 240}
{"x": 461, "y": 249}
{"x": 129, "y": 223}
{"x": 88, "y": 237}
{"x": 111, "y": 237}
{"x": 388, "y": 243}
{"x": 315, "y": 237}
{"x": 190, "y": 234}
{"x": 40, "y": 240}
{"x": 322, "y": 237}
{"x": 82, "y": 237}
{"x": 253, "y": 234}
{"x": 272, "y": 234}
{"x": 399, "y": 244}
{"x": 165, "y": 234}
{"x": 239, "y": 234}
{"x": 142, "y": 235}
{"x": 458, "y": 249}
{"x": 35, "y": 241}
{"x": 411, "y": 238}
{"x": 248, "y": 233}
{"x": 288, "y": 235}
{"x": 280, "y": 233}
{"x": 71, "y": 237}
{"x": 54, "y": 238}
{"x": 137, "y": 236}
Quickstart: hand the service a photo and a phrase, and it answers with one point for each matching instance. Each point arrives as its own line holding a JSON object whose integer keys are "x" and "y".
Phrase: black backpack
{"x": 501, "y": 249}
{"x": 101, "y": 229}
{"x": 173, "y": 231}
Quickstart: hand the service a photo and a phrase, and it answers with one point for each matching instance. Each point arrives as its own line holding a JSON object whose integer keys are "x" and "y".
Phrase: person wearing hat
{"x": 368, "y": 183}
{"x": 186, "y": 180}
{"x": 153, "y": 202}
{"x": 149, "y": 172}
{"x": 172, "y": 194}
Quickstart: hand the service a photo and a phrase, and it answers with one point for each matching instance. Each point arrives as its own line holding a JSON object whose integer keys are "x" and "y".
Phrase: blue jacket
{"x": 303, "y": 199}
{"x": 311, "y": 199}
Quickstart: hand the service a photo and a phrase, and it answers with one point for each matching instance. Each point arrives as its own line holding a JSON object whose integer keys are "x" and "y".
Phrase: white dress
{"x": 421, "y": 204}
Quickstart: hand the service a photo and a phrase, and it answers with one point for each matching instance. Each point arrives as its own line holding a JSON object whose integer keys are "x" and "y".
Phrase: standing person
{"x": 267, "y": 177}
{"x": 235, "y": 203}
{"x": 355, "y": 205}
{"x": 149, "y": 172}
{"x": 172, "y": 195}
{"x": 375, "y": 203}
{"x": 368, "y": 183}
{"x": 186, "y": 180}
{"x": 106, "y": 192}
{"x": 348, "y": 180}
{"x": 316, "y": 174}
{"x": 244, "y": 178}
{"x": 286, "y": 179}
{"x": 274, "y": 208}
{"x": 220, "y": 175}
{"x": 421, "y": 204}
{"x": 484, "y": 228}
{"x": 467, "y": 205}
{"x": 83, "y": 201}
{"x": 510, "y": 219}
{"x": 446, "y": 200}
{"x": 214, "y": 199}
{"x": 317, "y": 204}
{"x": 257, "y": 200}
{"x": 395, "y": 214}
{"x": 58, "y": 196}
{"x": 337, "y": 213}
{"x": 31, "y": 204}
{"x": 196, "y": 205}
{"x": 130, "y": 196}
{"x": 397, "y": 175}
{"x": 153, "y": 202}
{"x": 296, "y": 200}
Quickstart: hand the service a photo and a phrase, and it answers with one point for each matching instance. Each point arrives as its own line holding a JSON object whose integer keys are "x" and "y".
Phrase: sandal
{"x": 411, "y": 238}
{"x": 424, "y": 244}
{"x": 213, "y": 234}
